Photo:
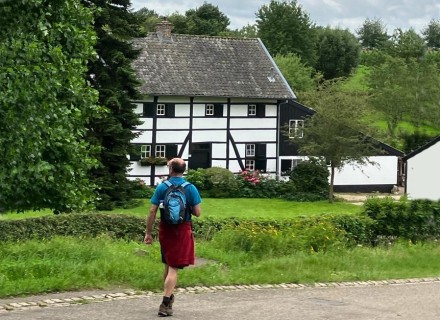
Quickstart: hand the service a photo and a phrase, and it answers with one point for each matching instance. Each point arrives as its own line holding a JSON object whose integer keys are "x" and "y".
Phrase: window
{"x": 252, "y": 110}
{"x": 250, "y": 165}
{"x": 296, "y": 128}
{"x": 209, "y": 110}
{"x": 257, "y": 110}
{"x": 250, "y": 150}
{"x": 160, "y": 151}
{"x": 160, "y": 109}
{"x": 145, "y": 151}
{"x": 288, "y": 165}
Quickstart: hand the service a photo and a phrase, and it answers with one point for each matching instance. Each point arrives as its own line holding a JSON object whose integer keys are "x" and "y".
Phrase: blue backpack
{"x": 175, "y": 206}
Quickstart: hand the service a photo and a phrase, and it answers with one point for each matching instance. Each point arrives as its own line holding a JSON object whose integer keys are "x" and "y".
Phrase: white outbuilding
{"x": 422, "y": 171}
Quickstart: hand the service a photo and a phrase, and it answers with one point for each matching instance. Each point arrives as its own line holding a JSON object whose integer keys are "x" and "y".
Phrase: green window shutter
{"x": 170, "y": 110}
{"x": 260, "y": 151}
{"x": 260, "y": 164}
{"x": 261, "y": 110}
{"x": 171, "y": 151}
{"x": 218, "y": 110}
{"x": 148, "y": 109}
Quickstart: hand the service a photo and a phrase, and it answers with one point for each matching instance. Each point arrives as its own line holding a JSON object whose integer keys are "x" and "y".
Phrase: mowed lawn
{"x": 239, "y": 208}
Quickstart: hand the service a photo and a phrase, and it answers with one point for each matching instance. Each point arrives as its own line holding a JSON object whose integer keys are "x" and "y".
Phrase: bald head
{"x": 177, "y": 166}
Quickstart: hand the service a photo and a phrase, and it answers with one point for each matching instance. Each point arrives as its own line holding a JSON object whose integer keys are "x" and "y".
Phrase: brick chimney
{"x": 163, "y": 28}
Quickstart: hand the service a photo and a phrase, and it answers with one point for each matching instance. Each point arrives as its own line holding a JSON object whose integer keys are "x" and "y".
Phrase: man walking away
{"x": 175, "y": 236}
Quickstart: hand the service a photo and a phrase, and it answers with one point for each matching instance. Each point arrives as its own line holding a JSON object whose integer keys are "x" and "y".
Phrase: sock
{"x": 166, "y": 301}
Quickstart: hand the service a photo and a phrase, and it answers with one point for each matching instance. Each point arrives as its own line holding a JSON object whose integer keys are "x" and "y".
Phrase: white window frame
{"x": 250, "y": 150}
{"x": 294, "y": 163}
{"x": 252, "y": 110}
{"x": 209, "y": 109}
{"x": 250, "y": 165}
{"x": 296, "y": 128}
{"x": 145, "y": 151}
{"x": 159, "y": 151}
{"x": 160, "y": 109}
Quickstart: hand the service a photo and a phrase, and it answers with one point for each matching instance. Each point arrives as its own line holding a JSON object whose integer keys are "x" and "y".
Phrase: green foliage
{"x": 431, "y": 34}
{"x": 299, "y": 76}
{"x": 115, "y": 80}
{"x": 415, "y": 140}
{"x": 406, "y": 90}
{"x": 337, "y": 132}
{"x": 75, "y": 225}
{"x": 338, "y": 53}
{"x": 372, "y": 58}
{"x": 141, "y": 190}
{"x": 414, "y": 220}
{"x": 407, "y": 44}
{"x": 372, "y": 34}
{"x": 45, "y": 105}
{"x": 153, "y": 161}
{"x": 206, "y": 20}
{"x": 311, "y": 177}
{"x": 284, "y": 27}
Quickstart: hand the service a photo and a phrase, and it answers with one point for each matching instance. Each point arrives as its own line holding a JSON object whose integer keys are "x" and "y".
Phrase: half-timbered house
{"x": 215, "y": 102}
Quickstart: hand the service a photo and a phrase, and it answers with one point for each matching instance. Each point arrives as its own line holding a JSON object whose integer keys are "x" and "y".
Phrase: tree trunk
{"x": 332, "y": 180}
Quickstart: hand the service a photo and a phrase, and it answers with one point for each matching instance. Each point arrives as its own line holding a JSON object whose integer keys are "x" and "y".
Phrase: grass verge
{"x": 68, "y": 264}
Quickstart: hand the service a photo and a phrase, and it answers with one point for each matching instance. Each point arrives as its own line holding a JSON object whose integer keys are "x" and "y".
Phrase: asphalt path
{"x": 409, "y": 301}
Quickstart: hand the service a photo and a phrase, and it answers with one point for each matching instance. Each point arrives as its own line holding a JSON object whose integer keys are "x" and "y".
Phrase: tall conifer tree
{"x": 112, "y": 75}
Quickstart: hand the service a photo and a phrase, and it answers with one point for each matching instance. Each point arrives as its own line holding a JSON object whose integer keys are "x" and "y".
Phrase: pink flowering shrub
{"x": 252, "y": 177}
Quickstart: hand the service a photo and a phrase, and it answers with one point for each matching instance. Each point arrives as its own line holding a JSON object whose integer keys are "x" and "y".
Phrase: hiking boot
{"x": 171, "y": 302}
{"x": 165, "y": 311}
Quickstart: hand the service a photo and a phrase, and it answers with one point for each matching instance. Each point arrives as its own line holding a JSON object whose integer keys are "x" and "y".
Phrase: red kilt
{"x": 176, "y": 244}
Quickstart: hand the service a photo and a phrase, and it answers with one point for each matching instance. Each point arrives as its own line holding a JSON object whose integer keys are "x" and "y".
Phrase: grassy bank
{"x": 240, "y": 208}
{"x": 65, "y": 264}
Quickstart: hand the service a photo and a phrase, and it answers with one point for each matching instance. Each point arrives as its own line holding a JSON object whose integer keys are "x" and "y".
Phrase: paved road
{"x": 410, "y": 301}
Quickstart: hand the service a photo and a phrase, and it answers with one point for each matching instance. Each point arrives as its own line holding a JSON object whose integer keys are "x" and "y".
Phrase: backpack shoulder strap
{"x": 186, "y": 183}
{"x": 169, "y": 184}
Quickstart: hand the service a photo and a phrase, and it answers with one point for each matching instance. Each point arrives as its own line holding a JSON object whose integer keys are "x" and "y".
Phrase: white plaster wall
{"x": 219, "y": 150}
{"x": 271, "y": 165}
{"x": 240, "y": 110}
{"x": 144, "y": 137}
{"x": 147, "y": 123}
{"x": 219, "y": 163}
{"x": 209, "y": 136}
{"x": 249, "y": 123}
{"x": 176, "y": 137}
{"x": 209, "y": 123}
{"x": 254, "y": 135}
{"x": 234, "y": 166}
{"x": 172, "y": 123}
{"x": 383, "y": 173}
{"x": 139, "y": 108}
{"x": 271, "y": 110}
{"x": 423, "y": 174}
{"x": 182, "y": 110}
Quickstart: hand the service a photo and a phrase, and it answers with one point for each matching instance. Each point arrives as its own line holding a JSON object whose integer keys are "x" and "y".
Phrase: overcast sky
{"x": 337, "y": 13}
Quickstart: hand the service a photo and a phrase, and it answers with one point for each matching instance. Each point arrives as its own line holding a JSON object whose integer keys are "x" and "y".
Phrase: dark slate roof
{"x": 422, "y": 148}
{"x": 189, "y": 65}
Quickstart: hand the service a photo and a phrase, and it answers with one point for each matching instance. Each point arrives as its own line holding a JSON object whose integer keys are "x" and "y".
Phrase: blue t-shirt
{"x": 191, "y": 192}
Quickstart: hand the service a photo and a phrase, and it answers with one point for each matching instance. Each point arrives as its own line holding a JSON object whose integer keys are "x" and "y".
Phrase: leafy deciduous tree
{"x": 338, "y": 52}
{"x": 299, "y": 76}
{"x": 285, "y": 28}
{"x": 45, "y": 104}
{"x": 337, "y": 131}
{"x": 206, "y": 20}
